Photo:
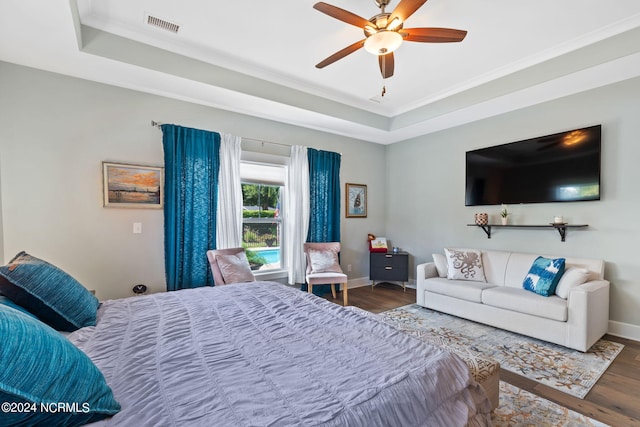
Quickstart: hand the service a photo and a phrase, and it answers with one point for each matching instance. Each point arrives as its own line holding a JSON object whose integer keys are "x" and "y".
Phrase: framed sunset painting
{"x": 132, "y": 186}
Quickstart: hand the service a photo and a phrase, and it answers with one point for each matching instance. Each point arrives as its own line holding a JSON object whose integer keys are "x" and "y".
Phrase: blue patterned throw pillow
{"x": 544, "y": 275}
{"x": 45, "y": 380}
{"x": 49, "y": 293}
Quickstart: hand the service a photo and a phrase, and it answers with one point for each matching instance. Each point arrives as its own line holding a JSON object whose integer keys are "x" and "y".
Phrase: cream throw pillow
{"x": 464, "y": 264}
{"x": 235, "y": 268}
{"x": 573, "y": 276}
{"x": 325, "y": 261}
{"x": 441, "y": 264}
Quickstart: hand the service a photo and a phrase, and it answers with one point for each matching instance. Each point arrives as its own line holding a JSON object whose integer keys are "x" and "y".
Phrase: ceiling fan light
{"x": 383, "y": 42}
{"x": 369, "y": 31}
{"x": 381, "y": 20}
{"x": 395, "y": 24}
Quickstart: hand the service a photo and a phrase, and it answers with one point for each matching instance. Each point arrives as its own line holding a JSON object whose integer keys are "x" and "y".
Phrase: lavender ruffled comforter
{"x": 264, "y": 354}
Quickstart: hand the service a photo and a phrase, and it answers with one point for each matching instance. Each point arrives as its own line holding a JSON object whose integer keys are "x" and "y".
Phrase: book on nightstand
{"x": 378, "y": 244}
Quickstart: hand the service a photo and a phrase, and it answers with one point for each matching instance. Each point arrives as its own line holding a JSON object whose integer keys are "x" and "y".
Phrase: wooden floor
{"x": 614, "y": 400}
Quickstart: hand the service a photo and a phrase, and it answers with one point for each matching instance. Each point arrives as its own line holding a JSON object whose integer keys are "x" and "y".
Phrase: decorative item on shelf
{"x": 396, "y": 249}
{"x": 482, "y": 218}
{"x": 504, "y": 214}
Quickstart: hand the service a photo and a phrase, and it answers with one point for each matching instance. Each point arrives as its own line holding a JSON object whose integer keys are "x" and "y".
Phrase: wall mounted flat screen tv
{"x": 563, "y": 167}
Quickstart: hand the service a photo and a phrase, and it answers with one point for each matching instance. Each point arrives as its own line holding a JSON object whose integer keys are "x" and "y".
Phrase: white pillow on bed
{"x": 235, "y": 268}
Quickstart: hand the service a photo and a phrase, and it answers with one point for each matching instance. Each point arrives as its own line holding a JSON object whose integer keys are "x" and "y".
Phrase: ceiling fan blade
{"x": 341, "y": 54}
{"x": 386, "y": 65}
{"x": 405, "y": 9}
{"x": 433, "y": 35}
{"x": 341, "y": 14}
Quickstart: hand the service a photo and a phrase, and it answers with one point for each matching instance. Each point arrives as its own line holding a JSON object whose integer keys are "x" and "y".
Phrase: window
{"x": 262, "y": 216}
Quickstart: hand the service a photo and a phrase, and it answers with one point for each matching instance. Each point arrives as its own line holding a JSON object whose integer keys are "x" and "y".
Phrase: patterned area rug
{"x": 567, "y": 370}
{"x": 520, "y": 408}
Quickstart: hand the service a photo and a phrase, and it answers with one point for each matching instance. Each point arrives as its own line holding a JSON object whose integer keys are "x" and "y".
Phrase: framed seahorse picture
{"x": 356, "y": 198}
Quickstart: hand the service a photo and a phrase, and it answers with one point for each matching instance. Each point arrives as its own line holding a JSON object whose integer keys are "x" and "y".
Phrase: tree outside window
{"x": 262, "y": 225}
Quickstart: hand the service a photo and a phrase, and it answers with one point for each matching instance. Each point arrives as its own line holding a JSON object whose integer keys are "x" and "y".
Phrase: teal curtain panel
{"x": 324, "y": 185}
{"x": 191, "y": 158}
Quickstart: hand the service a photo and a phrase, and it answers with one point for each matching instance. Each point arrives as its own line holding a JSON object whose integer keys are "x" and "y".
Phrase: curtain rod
{"x": 158, "y": 124}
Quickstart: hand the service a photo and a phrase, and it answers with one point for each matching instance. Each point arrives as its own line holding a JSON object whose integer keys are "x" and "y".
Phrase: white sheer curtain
{"x": 229, "y": 215}
{"x": 297, "y": 213}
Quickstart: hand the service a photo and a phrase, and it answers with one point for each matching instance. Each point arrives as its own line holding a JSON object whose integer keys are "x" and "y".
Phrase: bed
{"x": 245, "y": 354}
{"x": 265, "y": 354}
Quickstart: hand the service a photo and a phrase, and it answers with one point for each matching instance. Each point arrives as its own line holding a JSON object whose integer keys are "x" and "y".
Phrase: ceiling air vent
{"x": 161, "y": 23}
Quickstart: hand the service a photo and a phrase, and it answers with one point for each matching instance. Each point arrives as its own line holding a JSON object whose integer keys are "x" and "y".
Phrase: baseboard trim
{"x": 359, "y": 282}
{"x": 624, "y": 330}
{"x": 365, "y": 281}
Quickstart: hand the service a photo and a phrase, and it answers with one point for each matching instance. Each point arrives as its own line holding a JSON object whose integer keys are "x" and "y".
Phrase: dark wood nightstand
{"x": 389, "y": 267}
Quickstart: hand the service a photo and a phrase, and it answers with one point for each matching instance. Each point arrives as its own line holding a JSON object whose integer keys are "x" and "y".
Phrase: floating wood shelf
{"x": 562, "y": 228}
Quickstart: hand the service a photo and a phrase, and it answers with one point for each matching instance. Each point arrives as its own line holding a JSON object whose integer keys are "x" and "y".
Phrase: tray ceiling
{"x": 259, "y": 58}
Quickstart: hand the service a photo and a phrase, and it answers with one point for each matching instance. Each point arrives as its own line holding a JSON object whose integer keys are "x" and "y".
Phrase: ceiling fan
{"x": 385, "y": 33}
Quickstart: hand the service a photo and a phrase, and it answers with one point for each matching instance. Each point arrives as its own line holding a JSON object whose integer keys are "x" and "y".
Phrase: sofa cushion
{"x": 494, "y": 264}
{"x": 460, "y": 289}
{"x": 572, "y": 277}
{"x": 520, "y": 300}
{"x": 544, "y": 275}
{"x": 464, "y": 264}
{"x": 517, "y": 268}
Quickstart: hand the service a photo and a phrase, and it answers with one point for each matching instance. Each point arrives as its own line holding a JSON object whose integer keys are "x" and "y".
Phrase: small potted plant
{"x": 504, "y": 214}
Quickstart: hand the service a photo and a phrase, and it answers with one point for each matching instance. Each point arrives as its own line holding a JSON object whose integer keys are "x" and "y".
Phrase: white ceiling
{"x": 259, "y": 57}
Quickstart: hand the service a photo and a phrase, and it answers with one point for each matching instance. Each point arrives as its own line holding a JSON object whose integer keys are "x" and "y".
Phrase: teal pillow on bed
{"x": 48, "y": 292}
{"x": 47, "y": 379}
{"x": 544, "y": 275}
{"x": 6, "y": 301}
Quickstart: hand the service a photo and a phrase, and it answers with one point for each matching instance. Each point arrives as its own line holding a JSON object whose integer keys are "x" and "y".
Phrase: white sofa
{"x": 576, "y": 322}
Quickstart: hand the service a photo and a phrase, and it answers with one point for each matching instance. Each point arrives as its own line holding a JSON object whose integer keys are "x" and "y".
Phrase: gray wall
{"x": 55, "y": 131}
{"x": 426, "y": 211}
